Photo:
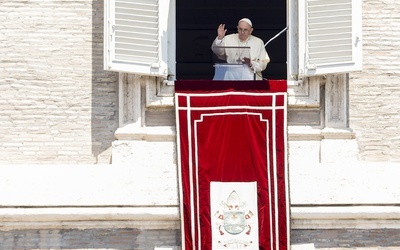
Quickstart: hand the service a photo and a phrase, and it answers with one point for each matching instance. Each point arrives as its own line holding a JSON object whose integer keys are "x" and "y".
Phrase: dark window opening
{"x": 196, "y": 28}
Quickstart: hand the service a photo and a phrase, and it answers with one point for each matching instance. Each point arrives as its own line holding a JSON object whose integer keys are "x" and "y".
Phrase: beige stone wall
{"x": 374, "y": 93}
{"x": 57, "y": 104}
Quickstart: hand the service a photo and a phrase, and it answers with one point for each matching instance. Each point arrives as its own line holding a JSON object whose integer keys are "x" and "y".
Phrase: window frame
{"x": 164, "y": 64}
{"x": 296, "y": 47}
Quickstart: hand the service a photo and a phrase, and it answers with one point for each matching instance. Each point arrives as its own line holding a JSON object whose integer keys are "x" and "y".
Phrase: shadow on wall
{"x": 112, "y": 238}
{"x": 104, "y": 93}
{"x": 386, "y": 238}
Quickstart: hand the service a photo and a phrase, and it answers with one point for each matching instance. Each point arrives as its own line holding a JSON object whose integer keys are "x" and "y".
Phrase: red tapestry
{"x": 232, "y": 164}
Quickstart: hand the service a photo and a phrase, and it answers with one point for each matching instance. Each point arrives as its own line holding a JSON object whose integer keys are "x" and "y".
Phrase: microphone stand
{"x": 265, "y": 45}
{"x": 270, "y": 40}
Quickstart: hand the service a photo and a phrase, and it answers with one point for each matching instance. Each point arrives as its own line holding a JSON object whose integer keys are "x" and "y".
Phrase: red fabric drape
{"x": 232, "y": 131}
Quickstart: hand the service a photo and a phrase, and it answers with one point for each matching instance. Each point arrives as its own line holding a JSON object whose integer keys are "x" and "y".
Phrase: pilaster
{"x": 318, "y": 121}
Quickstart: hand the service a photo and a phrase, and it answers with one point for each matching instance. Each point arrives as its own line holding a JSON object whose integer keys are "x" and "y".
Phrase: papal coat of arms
{"x": 234, "y": 221}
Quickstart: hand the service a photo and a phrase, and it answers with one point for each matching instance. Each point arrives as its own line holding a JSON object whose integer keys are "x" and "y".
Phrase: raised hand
{"x": 221, "y": 31}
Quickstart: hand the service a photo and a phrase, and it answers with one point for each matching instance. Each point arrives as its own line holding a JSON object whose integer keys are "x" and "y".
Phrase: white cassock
{"x": 236, "y": 70}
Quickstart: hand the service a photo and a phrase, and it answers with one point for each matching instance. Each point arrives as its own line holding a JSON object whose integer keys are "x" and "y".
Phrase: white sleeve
{"x": 218, "y": 42}
{"x": 220, "y": 52}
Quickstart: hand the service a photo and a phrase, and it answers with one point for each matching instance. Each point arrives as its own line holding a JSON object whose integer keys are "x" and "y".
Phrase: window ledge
{"x": 156, "y": 133}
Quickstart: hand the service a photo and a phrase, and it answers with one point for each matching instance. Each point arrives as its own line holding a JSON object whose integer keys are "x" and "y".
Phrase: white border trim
{"x": 189, "y": 109}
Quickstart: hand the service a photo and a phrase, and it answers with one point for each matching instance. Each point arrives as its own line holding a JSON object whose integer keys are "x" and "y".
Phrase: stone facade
{"x": 57, "y": 105}
{"x": 110, "y": 238}
{"x": 128, "y": 238}
{"x": 64, "y": 109}
{"x": 374, "y": 108}
{"x": 62, "y": 114}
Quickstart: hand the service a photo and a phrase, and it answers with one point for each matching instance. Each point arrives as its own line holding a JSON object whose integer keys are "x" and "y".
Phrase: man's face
{"x": 244, "y": 30}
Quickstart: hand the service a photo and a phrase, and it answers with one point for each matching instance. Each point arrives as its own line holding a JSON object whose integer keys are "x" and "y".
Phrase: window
{"x": 329, "y": 36}
{"x": 137, "y": 35}
{"x": 324, "y": 37}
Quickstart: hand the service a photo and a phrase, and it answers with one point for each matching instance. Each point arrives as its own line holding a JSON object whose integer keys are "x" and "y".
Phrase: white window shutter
{"x": 329, "y": 36}
{"x": 135, "y": 36}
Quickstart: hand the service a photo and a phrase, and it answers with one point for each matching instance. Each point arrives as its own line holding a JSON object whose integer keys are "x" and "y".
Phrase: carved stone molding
{"x": 336, "y": 101}
{"x": 158, "y": 92}
{"x": 305, "y": 94}
{"x": 90, "y": 217}
{"x": 129, "y": 100}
